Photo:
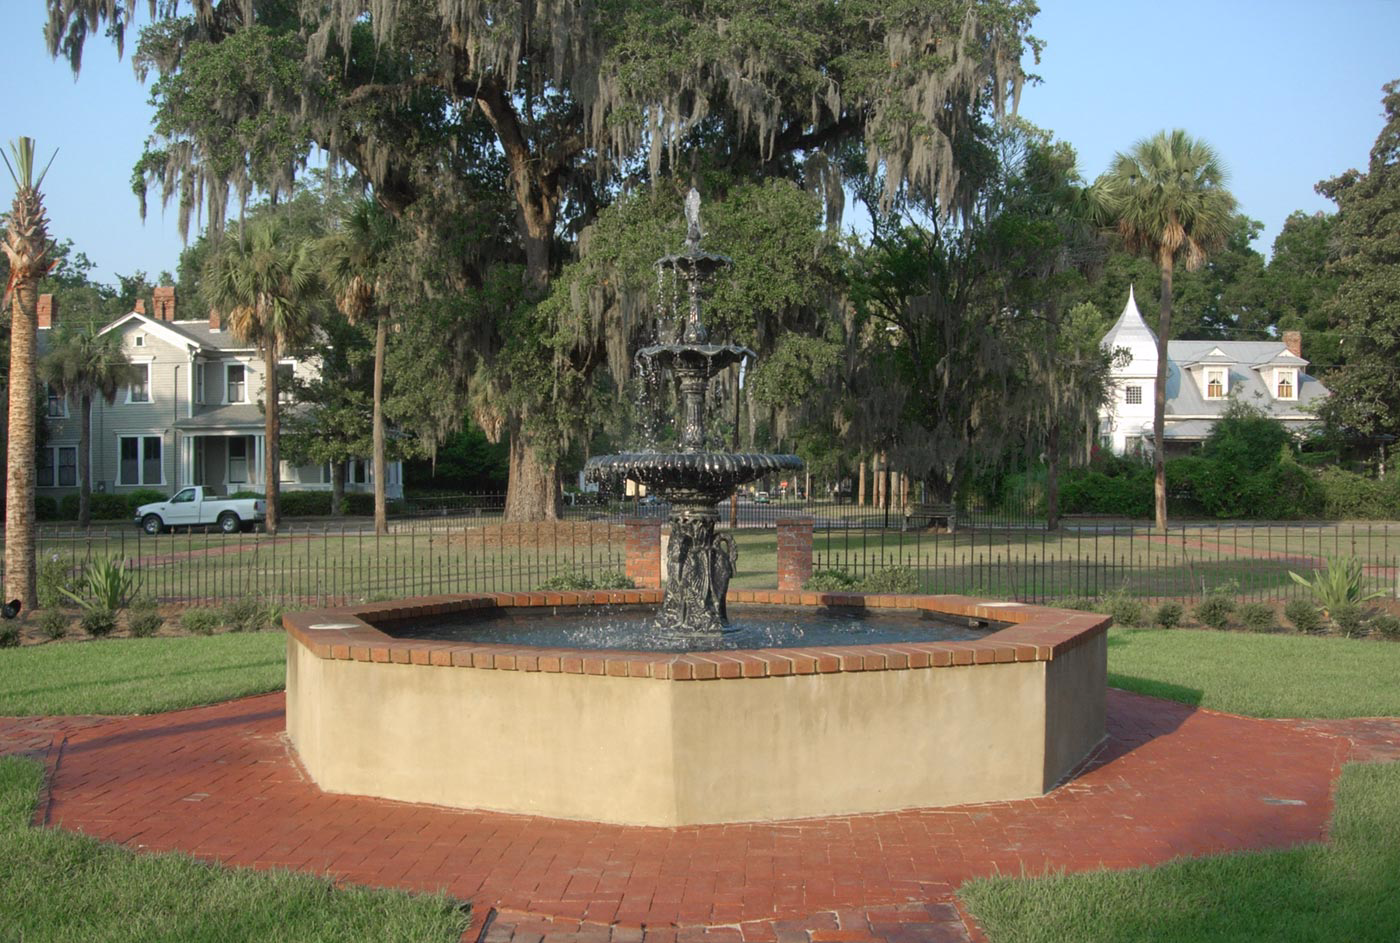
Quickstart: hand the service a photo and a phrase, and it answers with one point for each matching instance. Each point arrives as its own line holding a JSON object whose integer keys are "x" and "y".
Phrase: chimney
{"x": 1293, "y": 340}
{"x": 48, "y": 311}
{"x": 140, "y": 306}
{"x": 165, "y": 302}
{"x": 216, "y": 323}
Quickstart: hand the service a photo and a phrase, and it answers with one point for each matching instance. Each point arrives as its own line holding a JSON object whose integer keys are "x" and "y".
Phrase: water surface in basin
{"x": 630, "y": 628}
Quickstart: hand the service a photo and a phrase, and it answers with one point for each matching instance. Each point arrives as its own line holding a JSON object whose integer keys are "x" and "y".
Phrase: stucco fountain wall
{"x": 656, "y": 738}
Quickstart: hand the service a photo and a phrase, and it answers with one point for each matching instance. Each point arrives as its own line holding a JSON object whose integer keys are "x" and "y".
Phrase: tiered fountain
{"x": 479, "y": 701}
{"x": 693, "y": 479}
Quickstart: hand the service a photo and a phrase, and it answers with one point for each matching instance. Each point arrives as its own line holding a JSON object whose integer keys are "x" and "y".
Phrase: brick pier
{"x": 794, "y": 552}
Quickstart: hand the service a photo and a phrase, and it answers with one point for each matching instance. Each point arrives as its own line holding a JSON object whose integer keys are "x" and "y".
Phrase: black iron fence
{"x": 1093, "y": 558}
{"x": 330, "y": 563}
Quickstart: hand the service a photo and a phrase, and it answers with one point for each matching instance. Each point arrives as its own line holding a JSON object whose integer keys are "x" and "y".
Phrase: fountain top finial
{"x": 692, "y": 217}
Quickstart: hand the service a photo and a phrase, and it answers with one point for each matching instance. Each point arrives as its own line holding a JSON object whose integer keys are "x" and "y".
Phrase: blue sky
{"x": 1287, "y": 91}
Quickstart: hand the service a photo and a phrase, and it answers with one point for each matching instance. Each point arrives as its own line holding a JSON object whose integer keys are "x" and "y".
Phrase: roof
{"x": 1131, "y": 332}
{"x": 1184, "y": 397}
{"x": 195, "y": 335}
{"x": 238, "y": 416}
{"x": 208, "y": 337}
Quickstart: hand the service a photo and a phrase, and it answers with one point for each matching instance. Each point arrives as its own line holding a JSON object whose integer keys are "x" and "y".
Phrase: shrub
{"x": 54, "y": 580}
{"x": 1169, "y": 615}
{"x": 9, "y": 635}
{"x": 1339, "y": 585}
{"x": 107, "y": 507}
{"x": 45, "y": 508}
{"x": 1126, "y": 610}
{"x": 142, "y": 618}
{"x": 53, "y": 624}
{"x": 1387, "y": 626}
{"x": 247, "y": 614}
{"x": 134, "y": 499}
{"x": 1215, "y": 611}
{"x": 200, "y": 621}
{"x": 1081, "y": 603}
{"x": 831, "y": 581}
{"x": 1349, "y": 618}
{"x": 1303, "y": 614}
{"x": 362, "y": 504}
{"x": 105, "y": 585}
{"x": 576, "y": 580}
{"x": 1348, "y": 495}
{"x": 1095, "y": 492}
{"x": 305, "y": 503}
{"x": 1258, "y": 617}
{"x": 894, "y": 579}
{"x": 98, "y": 621}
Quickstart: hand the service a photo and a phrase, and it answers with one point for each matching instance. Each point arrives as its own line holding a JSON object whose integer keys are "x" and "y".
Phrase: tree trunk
{"x": 272, "y": 466}
{"x": 337, "y": 488}
{"x": 20, "y": 577}
{"x": 860, "y": 485}
{"x": 1052, "y": 476}
{"x": 1159, "y": 399}
{"x": 532, "y": 493}
{"x": 381, "y": 468}
{"x": 85, "y": 461}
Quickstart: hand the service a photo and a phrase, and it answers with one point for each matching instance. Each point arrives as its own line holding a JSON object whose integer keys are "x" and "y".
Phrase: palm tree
{"x": 83, "y": 364}
{"x": 1168, "y": 201}
{"x": 357, "y": 263}
{"x": 262, "y": 282}
{"x": 26, "y": 246}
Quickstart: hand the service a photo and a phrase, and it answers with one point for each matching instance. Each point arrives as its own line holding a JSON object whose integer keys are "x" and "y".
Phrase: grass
{"x": 1258, "y": 675}
{"x": 59, "y": 886}
{"x": 139, "y": 676}
{"x": 1346, "y": 890}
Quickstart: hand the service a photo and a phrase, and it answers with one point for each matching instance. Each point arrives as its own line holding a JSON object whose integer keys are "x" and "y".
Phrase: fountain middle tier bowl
{"x": 713, "y": 474}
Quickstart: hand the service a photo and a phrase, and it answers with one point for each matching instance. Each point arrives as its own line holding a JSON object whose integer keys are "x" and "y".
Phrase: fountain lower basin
{"x": 666, "y": 739}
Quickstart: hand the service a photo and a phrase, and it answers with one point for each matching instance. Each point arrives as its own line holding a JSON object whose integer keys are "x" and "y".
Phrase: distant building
{"x": 1202, "y": 377}
{"x": 192, "y": 418}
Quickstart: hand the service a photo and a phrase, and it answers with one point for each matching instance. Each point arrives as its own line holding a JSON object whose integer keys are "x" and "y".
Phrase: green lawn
{"x": 139, "y": 676}
{"x": 1259, "y": 675}
{"x": 59, "y": 886}
{"x": 1346, "y": 890}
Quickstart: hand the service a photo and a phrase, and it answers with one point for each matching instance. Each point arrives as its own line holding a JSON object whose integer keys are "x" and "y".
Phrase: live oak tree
{"x": 577, "y": 96}
{"x": 1366, "y": 307}
{"x": 1167, "y": 200}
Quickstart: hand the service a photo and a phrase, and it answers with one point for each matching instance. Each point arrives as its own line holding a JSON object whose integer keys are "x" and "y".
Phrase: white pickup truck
{"x": 196, "y": 506}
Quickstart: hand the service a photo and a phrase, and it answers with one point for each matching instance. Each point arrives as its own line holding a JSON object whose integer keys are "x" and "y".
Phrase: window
{"x": 199, "y": 383}
{"x": 359, "y": 472}
{"x": 140, "y": 389}
{"x": 1215, "y": 384}
{"x": 238, "y": 460}
{"x": 237, "y": 388}
{"x": 140, "y": 460}
{"x": 1285, "y": 384}
{"x": 58, "y": 465}
{"x": 138, "y": 340}
{"x": 284, "y": 383}
{"x": 58, "y": 405}
{"x": 1133, "y": 395}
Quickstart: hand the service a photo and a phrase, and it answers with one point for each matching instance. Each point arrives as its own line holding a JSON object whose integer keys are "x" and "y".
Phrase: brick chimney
{"x": 140, "y": 306}
{"x": 216, "y": 323}
{"x": 1293, "y": 340}
{"x": 165, "y": 302}
{"x": 48, "y": 311}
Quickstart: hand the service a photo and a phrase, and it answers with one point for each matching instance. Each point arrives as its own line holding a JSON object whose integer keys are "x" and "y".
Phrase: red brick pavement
{"x": 220, "y": 783}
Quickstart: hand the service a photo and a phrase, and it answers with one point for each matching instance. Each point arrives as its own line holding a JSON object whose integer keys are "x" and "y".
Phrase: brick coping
{"x": 1035, "y": 633}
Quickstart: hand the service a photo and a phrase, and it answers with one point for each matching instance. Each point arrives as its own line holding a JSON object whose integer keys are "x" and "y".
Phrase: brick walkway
{"x": 220, "y": 783}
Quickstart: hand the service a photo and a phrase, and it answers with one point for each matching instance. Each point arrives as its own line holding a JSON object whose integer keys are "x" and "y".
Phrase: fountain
{"x": 699, "y": 563}
{"x": 638, "y": 708}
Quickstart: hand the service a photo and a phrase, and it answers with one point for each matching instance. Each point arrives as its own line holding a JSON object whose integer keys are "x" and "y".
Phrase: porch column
{"x": 255, "y": 474}
{"x": 186, "y": 461}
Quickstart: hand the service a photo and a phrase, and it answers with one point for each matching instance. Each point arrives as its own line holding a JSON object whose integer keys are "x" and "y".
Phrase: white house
{"x": 1202, "y": 376}
{"x": 193, "y": 418}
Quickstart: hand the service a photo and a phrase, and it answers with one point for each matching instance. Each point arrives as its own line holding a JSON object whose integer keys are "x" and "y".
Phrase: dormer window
{"x": 1286, "y": 384}
{"x": 1216, "y": 385}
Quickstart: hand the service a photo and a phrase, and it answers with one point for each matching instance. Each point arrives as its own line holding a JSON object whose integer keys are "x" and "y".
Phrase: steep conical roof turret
{"x": 1131, "y": 331}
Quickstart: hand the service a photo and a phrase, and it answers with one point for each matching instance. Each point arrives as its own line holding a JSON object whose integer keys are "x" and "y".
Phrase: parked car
{"x": 761, "y": 498}
{"x": 197, "y": 505}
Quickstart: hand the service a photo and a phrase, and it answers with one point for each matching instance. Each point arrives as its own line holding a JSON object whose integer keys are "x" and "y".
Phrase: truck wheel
{"x": 152, "y": 524}
{"x": 229, "y": 523}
